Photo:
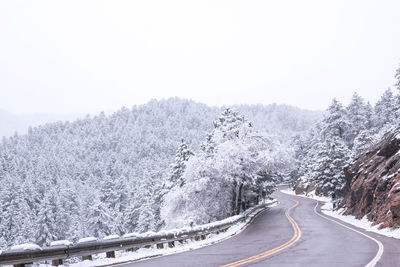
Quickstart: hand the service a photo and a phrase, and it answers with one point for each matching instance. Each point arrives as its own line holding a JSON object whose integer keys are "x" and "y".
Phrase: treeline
{"x": 341, "y": 135}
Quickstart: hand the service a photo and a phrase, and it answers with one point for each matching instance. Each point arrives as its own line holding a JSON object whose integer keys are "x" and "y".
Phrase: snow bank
{"x": 109, "y": 237}
{"x": 87, "y": 239}
{"x": 27, "y": 246}
{"x": 143, "y": 253}
{"x": 363, "y": 223}
{"x": 61, "y": 243}
{"x": 309, "y": 195}
{"x": 131, "y": 235}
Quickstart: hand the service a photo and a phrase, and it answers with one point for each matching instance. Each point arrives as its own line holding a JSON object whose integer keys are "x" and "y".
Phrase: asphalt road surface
{"x": 291, "y": 234}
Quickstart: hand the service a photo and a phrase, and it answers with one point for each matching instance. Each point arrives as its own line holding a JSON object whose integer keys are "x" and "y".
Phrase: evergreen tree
{"x": 320, "y": 164}
{"x": 335, "y": 123}
{"x": 358, "y": 116}
{"x": 68, "y": 217}
{"x": 340, "y": 155}
{"x": 397, "y": 76}
{"x": 178, "y": 167}
{"x": 397, "y": 85}
{"x": 385, "y": 110}
{"x": 47, "y": 220}
{"x": 208, "y": 146}
{"x": 131, "y": 216}
{"x": 99, "y": 220}
{"x": 331, "y": 158}
{"x": 363, "y": 140}
{"x": 146, "y": 220}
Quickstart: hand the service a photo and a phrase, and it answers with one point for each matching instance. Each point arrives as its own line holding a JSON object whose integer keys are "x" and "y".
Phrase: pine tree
{"x": 208, "y": 146}
{"x": 9, "y": 220}
{"x": 331, "y": 158}
{"x": 319, "y": 166}
{"x": 229, "y": 125}
{"x": 335, "y": 123}
{"x": 397, "y": 76}
{"x": 16, "y": 225}
{"x": 174, "y": 179}
{"x": 178, "y": 167}
{"x": 131, "y": 216}
{"x": 385, "y": 110}
{"x": 112, "y": 193}
{"x": 99, "y": 220}
{"x": 68, "y": 217}
{"x": 46, "y": 220}
{"x": 358, "y": 116}
{"x": 340, "y": 155}
{"x": 363, "y": 140}
{"x": 146, "y": 220}
{"x": 397, "y": 85}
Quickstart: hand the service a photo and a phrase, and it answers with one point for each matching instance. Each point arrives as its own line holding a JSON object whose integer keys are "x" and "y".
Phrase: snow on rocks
{"x": 397, "y": 135}
{"x": 87, "y": 239}
{"x": 27, "y": 246}
{"x": 396, "y": 187}
{"x": 61, "y": 243}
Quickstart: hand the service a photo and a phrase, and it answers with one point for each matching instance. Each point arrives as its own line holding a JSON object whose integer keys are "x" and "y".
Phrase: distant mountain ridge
{"x": 11, "y": 123}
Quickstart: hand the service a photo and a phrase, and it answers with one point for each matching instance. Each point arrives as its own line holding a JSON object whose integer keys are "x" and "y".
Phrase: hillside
{"x": 101, "y": 174}
{"x": 341, "y": 136}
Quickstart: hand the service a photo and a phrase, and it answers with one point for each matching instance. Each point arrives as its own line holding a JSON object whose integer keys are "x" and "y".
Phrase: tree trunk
{"x": 239, "y": 198}
{"x": 233, "y": 207}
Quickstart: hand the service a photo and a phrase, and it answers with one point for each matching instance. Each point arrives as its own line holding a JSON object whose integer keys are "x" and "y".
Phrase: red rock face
{"x": 373, "y": 182}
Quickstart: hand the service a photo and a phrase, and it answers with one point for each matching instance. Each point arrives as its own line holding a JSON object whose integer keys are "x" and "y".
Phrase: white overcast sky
{"x": 87, "y": 56}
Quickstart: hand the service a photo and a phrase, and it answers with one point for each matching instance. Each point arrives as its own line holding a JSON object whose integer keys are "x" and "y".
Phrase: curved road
{"x": 290, "y": 234}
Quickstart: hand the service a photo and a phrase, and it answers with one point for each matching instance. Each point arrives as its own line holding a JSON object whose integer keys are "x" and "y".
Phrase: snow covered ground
{"x": 363, "y": 223}
{"x": 144, "y": 253}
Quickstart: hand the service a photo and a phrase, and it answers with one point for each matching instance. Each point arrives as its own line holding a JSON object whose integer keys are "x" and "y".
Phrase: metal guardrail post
{"x": 87, "y": 257}
{"x": 171, "y": 244}
{"x": 56, "y": 262}
{"x": 110, "y": 254}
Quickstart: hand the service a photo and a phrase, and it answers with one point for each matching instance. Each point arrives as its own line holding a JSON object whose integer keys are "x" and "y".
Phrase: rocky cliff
{"x": 373, "y": 182}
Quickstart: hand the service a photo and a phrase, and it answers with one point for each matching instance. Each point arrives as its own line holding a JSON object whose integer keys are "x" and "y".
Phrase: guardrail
{"x": 56, "y": 254}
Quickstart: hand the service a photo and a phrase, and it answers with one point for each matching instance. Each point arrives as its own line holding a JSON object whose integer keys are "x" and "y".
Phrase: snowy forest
{"x": 344, "y": 133}
{"x": 160, "y": 165}
{"x": 173, "y": 163}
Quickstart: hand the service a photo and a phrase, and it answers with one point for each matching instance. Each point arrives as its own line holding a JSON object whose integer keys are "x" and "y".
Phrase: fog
{"x": 68, "y": 57}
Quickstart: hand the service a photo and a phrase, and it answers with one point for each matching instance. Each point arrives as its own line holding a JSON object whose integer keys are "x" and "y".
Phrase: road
{"x": 291, "y": 234}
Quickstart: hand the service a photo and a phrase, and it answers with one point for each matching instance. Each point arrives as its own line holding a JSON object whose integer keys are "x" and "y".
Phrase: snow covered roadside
{"x": 145, "y": 253}
{"x": 363, "y": 223}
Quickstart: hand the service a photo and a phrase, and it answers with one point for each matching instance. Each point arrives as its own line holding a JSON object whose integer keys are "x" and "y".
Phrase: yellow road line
{"x": 296, "y": 236}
